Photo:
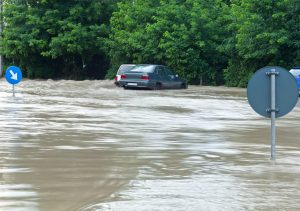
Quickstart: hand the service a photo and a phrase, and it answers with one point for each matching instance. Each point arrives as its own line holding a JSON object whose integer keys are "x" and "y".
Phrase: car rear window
{"x": 144, "y": 69}
{"x": 124, "y": 68}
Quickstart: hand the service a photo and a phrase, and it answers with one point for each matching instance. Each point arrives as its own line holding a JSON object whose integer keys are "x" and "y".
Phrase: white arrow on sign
{"x": 14, "y": 76}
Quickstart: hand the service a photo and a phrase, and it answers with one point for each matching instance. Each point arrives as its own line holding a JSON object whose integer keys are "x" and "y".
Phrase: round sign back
{"x": 259, "y": 89}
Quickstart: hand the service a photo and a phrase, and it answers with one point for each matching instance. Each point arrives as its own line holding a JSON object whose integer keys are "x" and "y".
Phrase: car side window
{"x": 159, "y": 71}
{"x": 169, "y": 74}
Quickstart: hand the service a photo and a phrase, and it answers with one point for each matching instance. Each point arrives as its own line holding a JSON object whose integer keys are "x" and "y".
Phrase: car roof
{"x": 127, "y": 64}
{"x": 295, "y": 71}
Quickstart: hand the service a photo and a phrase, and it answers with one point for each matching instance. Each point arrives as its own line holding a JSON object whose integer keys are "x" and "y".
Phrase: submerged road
{"x": 67, "y": 145}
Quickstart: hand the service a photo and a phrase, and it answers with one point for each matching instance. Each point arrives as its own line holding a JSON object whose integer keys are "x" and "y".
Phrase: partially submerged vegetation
{"x": 212, "y": 42}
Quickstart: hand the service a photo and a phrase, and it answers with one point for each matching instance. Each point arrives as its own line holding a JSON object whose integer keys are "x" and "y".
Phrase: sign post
{"x": 273, "y": 75}
{"x": 13, "y": 76}
{"x": 272, "y": 92}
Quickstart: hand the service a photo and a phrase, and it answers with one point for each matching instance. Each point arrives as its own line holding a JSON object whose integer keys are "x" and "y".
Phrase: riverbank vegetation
{"x": 211, "y": 42}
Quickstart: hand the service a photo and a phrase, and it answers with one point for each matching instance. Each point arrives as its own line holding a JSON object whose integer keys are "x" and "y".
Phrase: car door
{"x": 162, "y": 76}
{"x": 172, "y": 80}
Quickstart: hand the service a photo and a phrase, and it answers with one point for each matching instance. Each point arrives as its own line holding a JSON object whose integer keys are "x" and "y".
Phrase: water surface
{"x": 89, "y": 145}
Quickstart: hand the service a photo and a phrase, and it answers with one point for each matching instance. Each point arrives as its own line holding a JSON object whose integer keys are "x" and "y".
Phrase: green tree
{"x": 184, "y": 35}
{"x": 128, "y": 38}
{"x": 266, "y": 33}
{"x": 57, "y": 38}
{"x": 204, "y": 41}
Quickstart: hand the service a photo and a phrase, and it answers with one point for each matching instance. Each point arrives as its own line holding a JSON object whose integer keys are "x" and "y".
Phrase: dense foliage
{"x": 266, "y": 32}
{"x": 54, "y": 38}
{"x": 211, "y": 42}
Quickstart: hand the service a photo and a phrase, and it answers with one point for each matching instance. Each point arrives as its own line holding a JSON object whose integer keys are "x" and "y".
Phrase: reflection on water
{"x": 88, "y": 145}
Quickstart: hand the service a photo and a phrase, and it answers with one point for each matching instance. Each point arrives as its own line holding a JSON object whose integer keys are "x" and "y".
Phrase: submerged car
{"x": 295, "y": 71}
{"x": 122, "y": 69}
{"x": 151, "y": 77}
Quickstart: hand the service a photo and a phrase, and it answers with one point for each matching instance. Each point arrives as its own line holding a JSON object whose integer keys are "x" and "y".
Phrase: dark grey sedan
{"x": 151, "y": 77}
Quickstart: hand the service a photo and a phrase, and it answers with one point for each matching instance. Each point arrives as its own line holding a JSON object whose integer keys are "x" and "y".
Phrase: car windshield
{"x": 295, "y": 72}
{"x": 125, "y": 68}
{"x": 143, "y": 68}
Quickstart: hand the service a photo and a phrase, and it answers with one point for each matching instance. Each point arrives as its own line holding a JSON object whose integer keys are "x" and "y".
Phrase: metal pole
{"x": 273, "y": 104}
{"x": 273, "y": 116}
{"x": 13, "y": 90}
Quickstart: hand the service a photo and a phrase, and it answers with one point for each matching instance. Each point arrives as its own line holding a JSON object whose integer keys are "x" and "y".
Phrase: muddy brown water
{"x": 67, "y": 145}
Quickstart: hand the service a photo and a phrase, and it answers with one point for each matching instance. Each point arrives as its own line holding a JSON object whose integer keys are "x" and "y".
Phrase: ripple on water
{"x": 89, "y": 145}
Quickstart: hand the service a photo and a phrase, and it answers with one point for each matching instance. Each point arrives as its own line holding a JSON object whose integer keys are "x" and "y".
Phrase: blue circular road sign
{"x": 13, "y": 75}
{"x": 259, "y": 91}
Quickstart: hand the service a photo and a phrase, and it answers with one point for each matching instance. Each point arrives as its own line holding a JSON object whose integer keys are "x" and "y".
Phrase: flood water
{"x": 67, "y": 145}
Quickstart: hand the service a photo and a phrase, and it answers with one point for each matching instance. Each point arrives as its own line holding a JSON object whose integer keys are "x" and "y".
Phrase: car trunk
{"x": 134, "y": 75}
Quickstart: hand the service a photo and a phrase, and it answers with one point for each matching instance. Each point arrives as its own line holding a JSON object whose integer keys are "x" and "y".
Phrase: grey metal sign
{"x": 259, "y": 91}
{"x": 272, "y": 92}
